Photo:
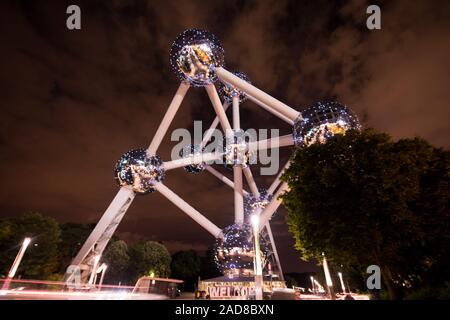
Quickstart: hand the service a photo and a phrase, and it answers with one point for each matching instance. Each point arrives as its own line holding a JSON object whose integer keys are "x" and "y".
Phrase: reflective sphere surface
{"x": 237, "y": 151}
{"x": 139, "y": 171}
{"x": 192, "y": 150}
{"x": 227, "y": 92}
{"x": 322, "y": 121}
{"x": 234, "y": 253}
{"x": 194, "y": 55}
{"x": 254, "y": 205}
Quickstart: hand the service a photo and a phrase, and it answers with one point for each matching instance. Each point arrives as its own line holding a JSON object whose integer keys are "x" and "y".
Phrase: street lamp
{"x": 257, "y": 267}
{"x": 328, "y": 277}
{"x": 16, "y": 263}
{"x": 101, "y": 269}
{"x": 312, "y": 284}
{"x": 342, "y": 282}
{"x": 94, "y": 269}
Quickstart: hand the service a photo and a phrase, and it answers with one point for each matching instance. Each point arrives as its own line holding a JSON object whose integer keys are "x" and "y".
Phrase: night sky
{"x": 72, "y": 102}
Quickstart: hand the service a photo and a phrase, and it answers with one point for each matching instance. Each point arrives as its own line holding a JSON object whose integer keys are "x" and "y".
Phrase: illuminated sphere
{"x": 139, "y": 171}
{"x": 192, "y": 150}
{"x": 254, "y": 205}
{"x": 194, "y": 55}
{"x": 237, "y": 151}
{"x": 227, "y": 91}
{"x": 234, "y": 252}
{"x": 322, "y": 121}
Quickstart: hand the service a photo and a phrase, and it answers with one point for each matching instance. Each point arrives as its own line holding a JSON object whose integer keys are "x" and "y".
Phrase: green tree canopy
{"x": 149, "y": 257}
{"x": 186, "y": 266}
{"x": 118, "y": 261}
{"x": 73, "y": 235}
{"x": 364, "y": 199}
{"x": 208, "y": 267}
{"x": 41, "y": 258}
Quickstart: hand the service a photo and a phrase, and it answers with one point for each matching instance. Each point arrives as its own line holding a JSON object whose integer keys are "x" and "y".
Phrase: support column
{"x": 273, "y": 205}
{"x": 215, "y": 100}
{"x": 209, "y": 132}
{"x": 277, "y": 180}
{"x": 222, "y": 178}
{"x": 256, "y": 93}
{"x": 251, "y": 182}
{"x": 168, "y": 117}
{"x": 192, "y": 160}
{"x": 237, "y": 171}
{"x": 238, "y": 196}
{"x": 275, "y": 251}
{"x": 190, "y": 211}
{"x": 102, "y": 233}
{"x": 272, "y": 111}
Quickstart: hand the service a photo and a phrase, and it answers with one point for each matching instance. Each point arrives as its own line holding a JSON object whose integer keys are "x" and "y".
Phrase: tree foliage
{"x": 148, "y": 258}
{"x": 118, "y": 261}
{"x": 73, "y": 235}
{"x": 53, "y": 247}
{"x": 186, "y": 266}
{"x": 41, "y": 257}
{"x": 364, "y": 199}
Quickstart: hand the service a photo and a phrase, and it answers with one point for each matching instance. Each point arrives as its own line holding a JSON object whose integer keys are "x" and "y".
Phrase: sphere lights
{"x": 194, "y": 55}
{"x": 322, "y": 121}
{"x": 139, "y": 171}
{"x": 254, "y": 205}
{"x": 234, "y": 253}
{"x": 227, "y": 91}
{"x": 192, "y": 150}
{"x": 236, "y": 150}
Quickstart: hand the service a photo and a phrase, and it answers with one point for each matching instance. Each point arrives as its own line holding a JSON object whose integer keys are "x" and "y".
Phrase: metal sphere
{"x": 321, "y": 121}
{"x": 194, "y": 55}
{"x": 254, "y": 205}
{"x": 192, "y": 150}
{"x": 139, "y": 171}
{"x": 234, "y": 252}
{"x": 237, "y": 151}
{"x": 227, "y": 91}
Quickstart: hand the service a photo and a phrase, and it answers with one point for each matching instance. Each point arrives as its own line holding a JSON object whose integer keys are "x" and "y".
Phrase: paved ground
{"x": 55, "y": 295}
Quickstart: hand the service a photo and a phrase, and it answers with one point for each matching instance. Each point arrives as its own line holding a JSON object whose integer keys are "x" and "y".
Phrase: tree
{"x": 186, "y": 266}
{"x": 290, "y": 281}
{"x": 41, "y": 258}
{"x": 118, "y": 261}
{"x": 73, "y": 235}
{"x": 149, "y": 258}
{"x": 208, "y": 267}
{"x": 364, "y": 199}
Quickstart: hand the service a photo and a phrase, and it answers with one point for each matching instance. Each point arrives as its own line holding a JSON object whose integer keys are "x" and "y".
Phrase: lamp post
{"x": 257, "y": 267}
{"x": 16, "y": 263}
{"x": 94, "y": 269}
{"x": 342, "y": 282}
{"x": 328, "y": 278}
{"x": 312, "y": 284}
{"x": 101, "y": 269}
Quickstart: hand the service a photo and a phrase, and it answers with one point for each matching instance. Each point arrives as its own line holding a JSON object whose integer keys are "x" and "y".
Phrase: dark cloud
{"x": 73, "y": 101}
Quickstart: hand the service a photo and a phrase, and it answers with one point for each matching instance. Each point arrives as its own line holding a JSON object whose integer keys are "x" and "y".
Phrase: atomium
{"x": 234, "y": 252}
{"x": 254, "y": 205}
{"x": 194, "y": 55}
{"x": 227, "y": 91}
{"x": 236, "y": 150}
{"x": 197, "y": 58}
{"x": 321, "y": 121}
{"x": 192, "y": 150}
{"x": 139, "y": 171}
